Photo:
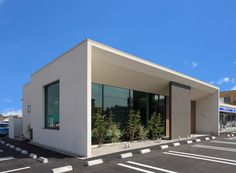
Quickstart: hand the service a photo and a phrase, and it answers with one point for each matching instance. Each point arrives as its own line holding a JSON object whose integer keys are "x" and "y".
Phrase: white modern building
{"x": 60, "y": 101}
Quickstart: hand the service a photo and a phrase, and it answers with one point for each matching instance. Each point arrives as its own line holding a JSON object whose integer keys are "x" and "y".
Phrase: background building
{"x": 227, "y": 111}
{"x": 228, "y": 97}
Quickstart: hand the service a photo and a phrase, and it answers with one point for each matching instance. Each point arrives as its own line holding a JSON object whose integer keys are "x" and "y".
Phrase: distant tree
{"x": 1, "y": 117}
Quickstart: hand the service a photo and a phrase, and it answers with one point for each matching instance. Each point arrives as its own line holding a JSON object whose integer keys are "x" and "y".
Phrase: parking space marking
{"x": 215, "y": 148}
{"x": 6, "y": 158}
{"x": 14, "y": 170}
{"x": 200, "y": 158}
{"x": 224, "y": 142}
{"x": 151, "y": 167}
{"x": 134, "y": 168}
{"x": 204, "y": 156}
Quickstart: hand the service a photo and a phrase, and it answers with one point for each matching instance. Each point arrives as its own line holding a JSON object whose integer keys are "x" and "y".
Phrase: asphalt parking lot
{"x": 217, "y": 155}
{"x": 14, "y": 161}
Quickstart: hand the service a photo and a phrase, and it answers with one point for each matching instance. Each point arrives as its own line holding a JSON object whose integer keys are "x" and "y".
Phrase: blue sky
{"x": 195, "y": 37}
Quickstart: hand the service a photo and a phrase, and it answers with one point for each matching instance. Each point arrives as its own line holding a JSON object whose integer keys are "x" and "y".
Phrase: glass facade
{"x": 119, "y": 101}
{"x": 52, "y": 115}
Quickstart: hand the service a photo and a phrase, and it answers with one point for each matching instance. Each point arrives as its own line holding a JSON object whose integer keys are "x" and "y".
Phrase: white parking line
{"x": 14, "y": 170}
{"x": 151, "y": 167}
{"x": 6, "y": 158}
{"x": 215, "y": 148}
{"x": 224, "y": 142}
{"x": 200, "y": 158}
{"x": 204, "y": 156}
{"x": 134, "y": 168}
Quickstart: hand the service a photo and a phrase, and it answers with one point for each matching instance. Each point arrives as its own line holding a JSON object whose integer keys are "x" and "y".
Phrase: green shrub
{"x": 155, "y": 126}
{"x": 113, "y": 129}
{"x": 100, "y": 126}
{"x": 134, "y": 121}
{"x": 143, "y": 133}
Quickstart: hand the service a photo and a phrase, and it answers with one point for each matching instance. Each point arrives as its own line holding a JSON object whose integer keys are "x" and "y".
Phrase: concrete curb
{"x": 42, "y": 160}
{"x": 206, "y": 138}
{"x": 12, "y": 147}
{"x": 189, "y": 142}
{"x": 198, "y": 140}
{"x": 33, "y": 156}
{"x": 176, "y": 144}
{"x": 126, "y": 155}
{"x": 144, "y": 151}
{"x": 94, "y": 162}
{"x": 162, "y": 147}
{"x": 62, "y": 169}
{"x": 18, "y": 149}
{"x": 24, "y": 152}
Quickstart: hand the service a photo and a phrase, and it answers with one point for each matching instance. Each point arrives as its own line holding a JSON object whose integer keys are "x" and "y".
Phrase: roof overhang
{"x": 114, "y": 67}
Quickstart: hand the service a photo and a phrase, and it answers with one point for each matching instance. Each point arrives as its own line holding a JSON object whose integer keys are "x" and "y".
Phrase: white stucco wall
{"x": 73, "y": 70}
{"x": 15, "y": 127}
{"x": 180, "y": 112}
{"x": 26, "y": 114}
{"x": 11, "y": 131}
{"x": 207, "y": 114}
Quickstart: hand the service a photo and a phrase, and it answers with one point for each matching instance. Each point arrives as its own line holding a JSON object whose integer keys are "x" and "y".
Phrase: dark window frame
{"x": 45, "y": 104}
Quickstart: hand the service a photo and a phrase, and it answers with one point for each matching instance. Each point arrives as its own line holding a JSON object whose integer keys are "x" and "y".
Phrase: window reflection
{"x": 119, "y": 101}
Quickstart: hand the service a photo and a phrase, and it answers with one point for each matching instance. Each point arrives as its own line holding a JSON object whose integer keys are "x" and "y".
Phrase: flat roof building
{"x": 227, "y": 111}
{"x": 228, "y": 97}
{"x": 61, "y": 100}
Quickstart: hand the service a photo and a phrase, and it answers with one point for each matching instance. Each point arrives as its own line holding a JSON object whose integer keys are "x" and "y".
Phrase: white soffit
{"x": 112, "y": 56}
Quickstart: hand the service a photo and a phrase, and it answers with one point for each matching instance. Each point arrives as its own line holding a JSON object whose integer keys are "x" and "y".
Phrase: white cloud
{"x": 8, "y": 112}
{"x": 234, "y": 87}
{"x": 225, "y": 80}
{"x": 7, "y": 100}
{"x": 194, "y": 64}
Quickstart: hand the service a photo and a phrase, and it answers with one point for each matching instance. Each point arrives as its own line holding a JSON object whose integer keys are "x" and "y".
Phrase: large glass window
{"x": 52, "y": 115}
{"x": 140, "y": 101}
{"x": 97, "y": 100}
{"x": 119, "y": 101}
{"x": 116, "y": 101}
{"x": 227, "y": 100}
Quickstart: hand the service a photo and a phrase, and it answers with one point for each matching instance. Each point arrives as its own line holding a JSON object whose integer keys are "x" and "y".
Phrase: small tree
{"x": 113, "y": 129}
{"x": 154, "y": 125}
{"x": 100, "y": 126}
{"x": 142, "y": 133}
{"x": 134, "y": 121}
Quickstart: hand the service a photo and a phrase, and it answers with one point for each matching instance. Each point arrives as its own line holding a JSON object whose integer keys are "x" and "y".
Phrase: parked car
{"x": 3, "y": 129}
